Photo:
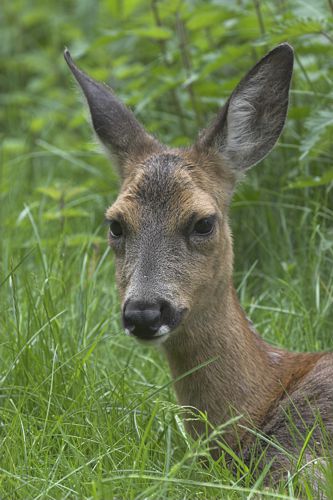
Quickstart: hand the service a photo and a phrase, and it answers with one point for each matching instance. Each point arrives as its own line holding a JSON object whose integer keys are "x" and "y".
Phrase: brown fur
{"x": 159, "y": 257}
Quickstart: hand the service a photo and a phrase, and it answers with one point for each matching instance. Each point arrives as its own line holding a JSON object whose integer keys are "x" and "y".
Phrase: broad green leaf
{"x": 84, "y": 239}
{"x": 13, "y": 145}
{"x": 72, "y": 193}
{"x": 204, "y": 19}
{"x": 51, "y": 192}
{"x": 154, "y": 32}
{"x": 66, "y": 213}
{"x": 326, "y": 178}
{"x": 319, "y": 124}
{"x": 301, "y": 27}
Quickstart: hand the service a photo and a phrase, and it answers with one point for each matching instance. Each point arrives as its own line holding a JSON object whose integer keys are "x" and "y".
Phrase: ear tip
{"x": 286, "y": 47}
{"x": 68, "y": 57}
{"x": 282, "y": 57}
{"x": 72, "y": 66}
{"x": 285, "y": 50}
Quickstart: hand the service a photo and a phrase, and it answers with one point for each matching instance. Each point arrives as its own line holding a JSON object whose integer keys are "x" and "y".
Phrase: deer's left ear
{"x": 252, "y": 119}
{"x": 115, "y": 125}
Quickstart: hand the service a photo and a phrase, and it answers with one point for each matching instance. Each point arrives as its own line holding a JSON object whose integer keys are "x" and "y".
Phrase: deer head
{"x": 169, "y": 225}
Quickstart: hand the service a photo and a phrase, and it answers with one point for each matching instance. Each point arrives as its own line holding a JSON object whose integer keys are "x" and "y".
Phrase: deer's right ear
{"x": 115, "y": 125}
{"x": 252, "y": 119}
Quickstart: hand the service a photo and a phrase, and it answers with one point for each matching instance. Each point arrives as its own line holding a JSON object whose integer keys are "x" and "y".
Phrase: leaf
{"x": 327, "y": 178}
{"x": 13, "y": 145}
{"x": 81, "y": 239}
{"x": 317, "y": 126}
{"x": 202, "y": 20}
{"x": 71, "y": 193}
{"x": 301, "y": 27}
{"x": 66, "y": 213}
{"x": 51, "y": 192}
{"x": 155, "y": 32}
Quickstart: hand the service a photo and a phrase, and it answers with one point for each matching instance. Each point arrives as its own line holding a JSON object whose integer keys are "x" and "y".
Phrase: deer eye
{"x": 204, "y": 226}
{"x": 115, "y": 229}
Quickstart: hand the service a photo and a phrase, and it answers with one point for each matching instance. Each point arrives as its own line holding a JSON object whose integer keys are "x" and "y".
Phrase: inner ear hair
{"x": 114, "y": 124}
{"x": 251, "y": 121}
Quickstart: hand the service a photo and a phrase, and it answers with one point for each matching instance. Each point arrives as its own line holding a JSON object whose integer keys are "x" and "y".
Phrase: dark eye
{"x": 204, "y": 226}
{"x": 115, "y": 229}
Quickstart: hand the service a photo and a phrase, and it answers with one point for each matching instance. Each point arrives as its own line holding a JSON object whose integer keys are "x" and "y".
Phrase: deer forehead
{"x": 165, "y": 187}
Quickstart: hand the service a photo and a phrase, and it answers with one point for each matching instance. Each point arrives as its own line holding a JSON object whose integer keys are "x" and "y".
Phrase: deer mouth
{"x": 161, "y": 335}
{"x": 153, "y": 333}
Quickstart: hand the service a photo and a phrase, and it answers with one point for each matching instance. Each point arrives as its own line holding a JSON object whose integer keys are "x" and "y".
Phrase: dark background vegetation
{"x": 77, "y": 398}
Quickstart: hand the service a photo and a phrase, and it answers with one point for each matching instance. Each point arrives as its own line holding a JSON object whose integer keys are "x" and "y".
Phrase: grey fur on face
{"x": 174, "y": 262}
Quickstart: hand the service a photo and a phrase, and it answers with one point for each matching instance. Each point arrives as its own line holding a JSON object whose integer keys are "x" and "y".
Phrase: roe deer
{"x": 174, "y": 261}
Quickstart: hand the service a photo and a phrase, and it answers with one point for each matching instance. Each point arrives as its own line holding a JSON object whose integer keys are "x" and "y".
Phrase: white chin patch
{"x": 160, "y": 336}
{"x": 163, "y": 330}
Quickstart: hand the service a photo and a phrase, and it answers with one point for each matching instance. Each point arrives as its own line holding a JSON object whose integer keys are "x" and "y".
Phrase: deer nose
{"x": 142, "y": 319}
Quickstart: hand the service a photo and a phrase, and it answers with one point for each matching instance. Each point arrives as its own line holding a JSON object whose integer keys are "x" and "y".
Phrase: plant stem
{"x": 163, "y": 46}
{"x": 259, "y": 16}
{"x": 187, "y": 63}
{"x": 330, "y": 3}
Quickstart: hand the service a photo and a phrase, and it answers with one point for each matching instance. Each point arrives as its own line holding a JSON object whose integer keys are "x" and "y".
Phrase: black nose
{"x": 142, "y": 319}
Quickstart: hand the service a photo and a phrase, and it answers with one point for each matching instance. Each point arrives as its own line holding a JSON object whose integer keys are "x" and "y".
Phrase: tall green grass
{"x": 86, "y": 412}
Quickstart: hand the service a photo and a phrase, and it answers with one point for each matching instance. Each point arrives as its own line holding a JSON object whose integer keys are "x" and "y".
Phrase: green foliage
{"x": 85, "y": 413}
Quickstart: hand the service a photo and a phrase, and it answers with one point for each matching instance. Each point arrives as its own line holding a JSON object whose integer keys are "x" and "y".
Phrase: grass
{"x": 86, "y": 412}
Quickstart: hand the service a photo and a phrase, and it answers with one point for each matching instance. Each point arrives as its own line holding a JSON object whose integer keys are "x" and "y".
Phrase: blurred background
{"x": 174, "y": 63}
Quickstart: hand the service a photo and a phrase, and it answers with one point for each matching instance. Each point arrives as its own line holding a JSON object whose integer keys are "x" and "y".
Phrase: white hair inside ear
{"x": 253, "y": 118}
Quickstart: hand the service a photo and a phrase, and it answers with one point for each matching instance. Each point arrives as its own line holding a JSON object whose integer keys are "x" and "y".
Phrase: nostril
{"x": 142, "y": 319}
{"x": 148, "y": 317}
{"x": 151, "y": 316}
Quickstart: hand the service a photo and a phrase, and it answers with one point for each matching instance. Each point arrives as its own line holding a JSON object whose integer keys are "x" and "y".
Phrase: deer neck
{"x": 240, "y": 372}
